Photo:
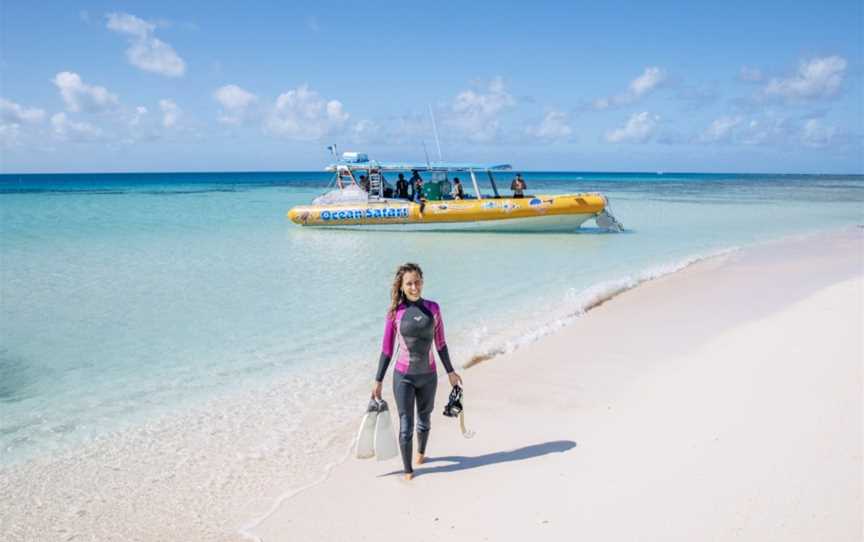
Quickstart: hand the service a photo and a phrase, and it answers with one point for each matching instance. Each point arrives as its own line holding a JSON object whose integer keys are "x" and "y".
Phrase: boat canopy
{"x": 419, "y": 166}
{"x": 350, "y": 162}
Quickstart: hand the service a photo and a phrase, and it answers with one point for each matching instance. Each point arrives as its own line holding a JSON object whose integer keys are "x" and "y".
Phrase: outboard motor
{"x": 606, "y": 220}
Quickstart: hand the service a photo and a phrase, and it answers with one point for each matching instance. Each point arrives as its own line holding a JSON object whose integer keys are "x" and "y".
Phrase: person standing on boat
{"x": 417, "y": 324}
{"x": 458, "y": 191}
{"x": 402, "y": 187}
{"x": 518, "y": 186}
{"x": 416, "y": 186}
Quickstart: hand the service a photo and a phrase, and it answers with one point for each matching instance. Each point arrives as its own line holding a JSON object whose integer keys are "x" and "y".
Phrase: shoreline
{"x": 816, "y": 276}
{"x": 603, "y": 292}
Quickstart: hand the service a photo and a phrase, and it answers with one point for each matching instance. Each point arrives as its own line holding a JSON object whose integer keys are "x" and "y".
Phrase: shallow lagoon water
{"x": 126, "y": 297}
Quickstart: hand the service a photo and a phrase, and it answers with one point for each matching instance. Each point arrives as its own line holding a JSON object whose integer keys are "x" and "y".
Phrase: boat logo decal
{"x": 357, "y": 214}
{"x": 489, "y": 205}
{"x": 540, "y": 205}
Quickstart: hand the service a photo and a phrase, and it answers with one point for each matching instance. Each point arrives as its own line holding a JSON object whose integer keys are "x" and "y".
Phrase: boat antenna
{"x": 435, "y": 131}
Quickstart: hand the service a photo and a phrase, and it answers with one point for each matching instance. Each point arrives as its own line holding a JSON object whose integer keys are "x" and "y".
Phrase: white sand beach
{"x": 723, "y": 402}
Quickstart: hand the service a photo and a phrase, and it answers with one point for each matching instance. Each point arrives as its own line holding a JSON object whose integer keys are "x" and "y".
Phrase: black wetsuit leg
{"x": 410, "y": 390}
{"x": 403, "y": 391}
{"x": 425, "y": 405}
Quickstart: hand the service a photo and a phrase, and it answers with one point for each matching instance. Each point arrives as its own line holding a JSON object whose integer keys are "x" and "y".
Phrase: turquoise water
{"x": 125, "y": 297}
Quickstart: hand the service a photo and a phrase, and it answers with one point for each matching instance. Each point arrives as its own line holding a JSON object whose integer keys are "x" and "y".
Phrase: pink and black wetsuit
{"x": 416, "y": 325}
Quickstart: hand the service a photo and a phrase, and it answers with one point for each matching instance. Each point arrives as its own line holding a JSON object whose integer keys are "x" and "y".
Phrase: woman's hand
{"x": 376, "y": 390}
{"x": 454, "y": 378}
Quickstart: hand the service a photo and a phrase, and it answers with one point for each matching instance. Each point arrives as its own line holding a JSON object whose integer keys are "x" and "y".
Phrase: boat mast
{"x": 435, "y": 131}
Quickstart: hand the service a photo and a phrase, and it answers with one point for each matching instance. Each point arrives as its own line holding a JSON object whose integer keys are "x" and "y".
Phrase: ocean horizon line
{"x": 514, "y": 170}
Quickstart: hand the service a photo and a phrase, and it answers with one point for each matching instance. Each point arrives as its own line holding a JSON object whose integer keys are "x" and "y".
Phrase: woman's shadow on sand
{"x": 461, "y": 462}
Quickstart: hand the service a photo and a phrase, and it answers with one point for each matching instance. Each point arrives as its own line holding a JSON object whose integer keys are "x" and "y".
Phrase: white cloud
{"x": 80, "y": 96}
{"x": 721, "y": 129}
{"x": 769, "y": 130}
{"x": 146, "y": 51}
{"x": 156, "y": 56}
{"x": 816, "y": 134}
{"x": 68, "y": 130}
{"x": 639, "y": 129}
{"x": 234, "y": 101}
{"x": 475, "y": 114}
{"x": 816, "y": 78}
{"x": 170, "y": 113}
{"x": 650, "y": 79}
{"x": 13, "y": 113}
{"x": 303, "y": 114}
{"x": 124, "y": 23}
{"x": 555, "y": 126}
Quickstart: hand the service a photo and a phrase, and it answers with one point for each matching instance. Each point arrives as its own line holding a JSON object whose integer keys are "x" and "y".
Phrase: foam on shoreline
{"x": 591, "y": 298}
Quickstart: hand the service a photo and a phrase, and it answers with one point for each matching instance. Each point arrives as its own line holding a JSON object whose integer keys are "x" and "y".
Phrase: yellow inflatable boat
{"x": 361, "y": 196}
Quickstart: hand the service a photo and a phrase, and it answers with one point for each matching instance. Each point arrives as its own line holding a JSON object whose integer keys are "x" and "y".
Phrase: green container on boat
{"x": 432, "y": 191}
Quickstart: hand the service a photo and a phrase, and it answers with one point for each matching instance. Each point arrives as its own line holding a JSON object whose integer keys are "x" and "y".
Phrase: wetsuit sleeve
{"x": 441, "y": 343}
{"x": 386, "y": 346}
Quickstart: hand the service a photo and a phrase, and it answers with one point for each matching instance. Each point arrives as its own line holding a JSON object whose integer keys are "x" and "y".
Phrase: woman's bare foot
{"x": 409, "y": 476}
{"x": 421, "y": 459}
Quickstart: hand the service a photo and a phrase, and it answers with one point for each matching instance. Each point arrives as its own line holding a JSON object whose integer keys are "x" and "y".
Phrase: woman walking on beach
{"x": 416, "y": 323}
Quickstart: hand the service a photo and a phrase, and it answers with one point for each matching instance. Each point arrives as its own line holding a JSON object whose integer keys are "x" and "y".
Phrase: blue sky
{"x": 602, "y": 86}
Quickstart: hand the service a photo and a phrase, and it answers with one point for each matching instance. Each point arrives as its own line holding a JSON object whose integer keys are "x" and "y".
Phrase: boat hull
{"x": 560, "y": 212}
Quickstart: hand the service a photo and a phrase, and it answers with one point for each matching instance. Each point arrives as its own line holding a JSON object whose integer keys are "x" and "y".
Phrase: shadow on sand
{"x": 461, "y": 462}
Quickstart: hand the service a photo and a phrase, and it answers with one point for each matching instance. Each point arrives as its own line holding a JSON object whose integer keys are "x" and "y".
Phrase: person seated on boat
{"x": 402, "y": 187}
{"x": 518, "y": 186}
{"x": 458, "y": 191}
{"x": 364, "y": 183}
